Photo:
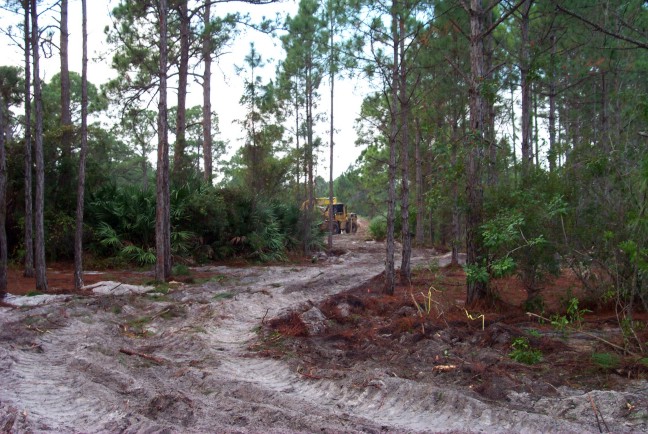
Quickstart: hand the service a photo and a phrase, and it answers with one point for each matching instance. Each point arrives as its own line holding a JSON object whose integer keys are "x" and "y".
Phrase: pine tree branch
{"x": 600, "y": 28}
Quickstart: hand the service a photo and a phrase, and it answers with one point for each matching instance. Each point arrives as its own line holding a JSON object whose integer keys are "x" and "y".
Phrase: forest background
{"x": 512, "y": 130}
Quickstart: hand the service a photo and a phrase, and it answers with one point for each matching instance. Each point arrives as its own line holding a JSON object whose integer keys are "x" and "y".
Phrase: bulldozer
{"x": 342, "y": 219}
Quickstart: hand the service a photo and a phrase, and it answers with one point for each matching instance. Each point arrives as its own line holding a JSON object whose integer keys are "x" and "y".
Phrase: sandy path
{"x": 64, "y": 369}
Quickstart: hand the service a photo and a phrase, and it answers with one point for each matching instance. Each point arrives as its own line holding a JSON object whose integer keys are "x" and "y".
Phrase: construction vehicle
{"x": 342, "y": 219}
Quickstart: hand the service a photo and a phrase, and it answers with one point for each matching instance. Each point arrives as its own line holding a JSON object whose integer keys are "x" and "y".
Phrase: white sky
{"x": 227, "y": 85}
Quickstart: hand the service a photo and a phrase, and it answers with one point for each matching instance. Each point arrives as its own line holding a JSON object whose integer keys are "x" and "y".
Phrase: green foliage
{"x": 524, "y": 353}
{"x": 180, "y": 270}
{"x": 560, "y": 323}
{"x": 59, "y": 236}
{"x": 476, "y": 273}
{"x": 574, "y": 313}
{"x": 606, "y": 360}
{"x": 223, "y": 296}
{"x": 267, "y": 240}
{"x": 206, "y": 222}
{"x": 503, "y": 230}
{"x": 573, "y": 317}
{"x": 378, "y": 228}
{"x": 520, "y": 236}
{"x": 502, "y": 267}
{"x": 535, "y": 333}
{"x": 138, "y": 255}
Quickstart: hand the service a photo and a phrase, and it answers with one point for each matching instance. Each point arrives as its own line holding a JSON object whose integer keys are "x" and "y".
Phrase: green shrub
{"x": 606, "y": 360}
{"x": 180, "y": 270}
{"x": 378, "y": 228}
{"x": 524, "y": 353}
{"x": 206, "y": 223}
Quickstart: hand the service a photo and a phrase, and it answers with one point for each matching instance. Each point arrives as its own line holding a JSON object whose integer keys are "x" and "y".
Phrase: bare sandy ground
{"x": 183, "y": 362}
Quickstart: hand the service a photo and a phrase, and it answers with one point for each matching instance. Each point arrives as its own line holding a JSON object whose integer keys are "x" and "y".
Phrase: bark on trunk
{"x": 536, "y": 127}
{"x": 78, "y": 235}
{"x": 39, "y": 256}
{"x": 29, "y": 202}
{"x": 477, "y": 290}
{"x": 65, "y": 175}
{"x": 489, "y": 111}
{"x": 298, "y": 158}
{"x": 605, "y": 128}
{"x": 308, "y": 155}
{"x": 3, "y": 205}
{"x": 527, "y": 156}
{"x": 456, "y": 221}
{"x": 162, "y": 235}
{"x": 332, "y": 74}
{"x": 513, "y": 133}
{"x": 179, "y": 155}
{"x": 552, "y": 105}
{"x": 207, "y": 124}
{"x": 393, "y": 136}
{"x": 406, "y": 237}
{"x": 420, "y": 206}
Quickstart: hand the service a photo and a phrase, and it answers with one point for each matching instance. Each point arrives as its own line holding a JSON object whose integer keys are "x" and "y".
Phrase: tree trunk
{"x": 536, "y": 127}
{"x": 3, "y": 205}
{"x": 476, "y": 290}
{"x": 179, "y": 155}
{"x": 332, "y": 74}
{"x": 393, "y": 136}
{"x": 78, "y": 235}
{"x": 207, "y": 124}
{"x": 309, "y": 139}
{"x": 162, "y": 235}
{"x": 406, "y": 237}
{"x": 513, "y": 133}
{"x": 308, "y": 157}
{"x": 456, "y": 220}
{"x": 308, "y": 191}
{"x": 67, "y": 130}
{"x": 489, "y": 111}
{"x": 605, "y": 129}
{"x": 552, "y": 104}
{"x": 298, "y": 162}
{"x": 420, "y": 205}
{"x": 29, "y": 205}
{"x": 525, "y": 88}
{"x": 41, "y": 277}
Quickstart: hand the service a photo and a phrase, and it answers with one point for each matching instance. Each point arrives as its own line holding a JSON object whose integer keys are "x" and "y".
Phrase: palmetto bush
{"x": 206, "y": 223}
{"x": 123, "y": 222}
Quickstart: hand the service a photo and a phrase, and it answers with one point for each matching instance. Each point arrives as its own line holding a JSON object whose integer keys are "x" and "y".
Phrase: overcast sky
{"x": 227, "y": 85}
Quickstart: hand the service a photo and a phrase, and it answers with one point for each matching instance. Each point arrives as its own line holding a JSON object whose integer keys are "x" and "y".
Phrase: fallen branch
{"x": 618, "y": 347}
{"x": 311, "y": 376}
{"x": 167, "y": 310}
{"x": 597, "y": 412}
{"x": 157, "y": 360}
{"x": 264, "y": 316}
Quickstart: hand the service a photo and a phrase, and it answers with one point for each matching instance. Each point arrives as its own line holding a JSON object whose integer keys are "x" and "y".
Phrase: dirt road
{"x": 184, "y": 361}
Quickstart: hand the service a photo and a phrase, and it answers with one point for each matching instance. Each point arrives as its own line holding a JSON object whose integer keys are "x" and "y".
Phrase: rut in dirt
{"x": 186, "y": 362}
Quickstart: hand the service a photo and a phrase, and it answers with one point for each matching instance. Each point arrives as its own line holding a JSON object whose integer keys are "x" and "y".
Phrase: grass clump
{"x": 606, "y": 360}
{"x": 180, "y": 270}
{"x": 524, "y": 353}
{"x": 224, "y": 295}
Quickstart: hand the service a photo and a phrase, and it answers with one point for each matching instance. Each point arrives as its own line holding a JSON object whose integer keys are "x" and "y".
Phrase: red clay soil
{"x": 470, "y": 348}
{"x": 60, "y": 278}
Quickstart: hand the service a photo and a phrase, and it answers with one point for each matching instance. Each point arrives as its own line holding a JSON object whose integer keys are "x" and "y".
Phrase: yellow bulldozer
{"x": 342, "y": 219}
